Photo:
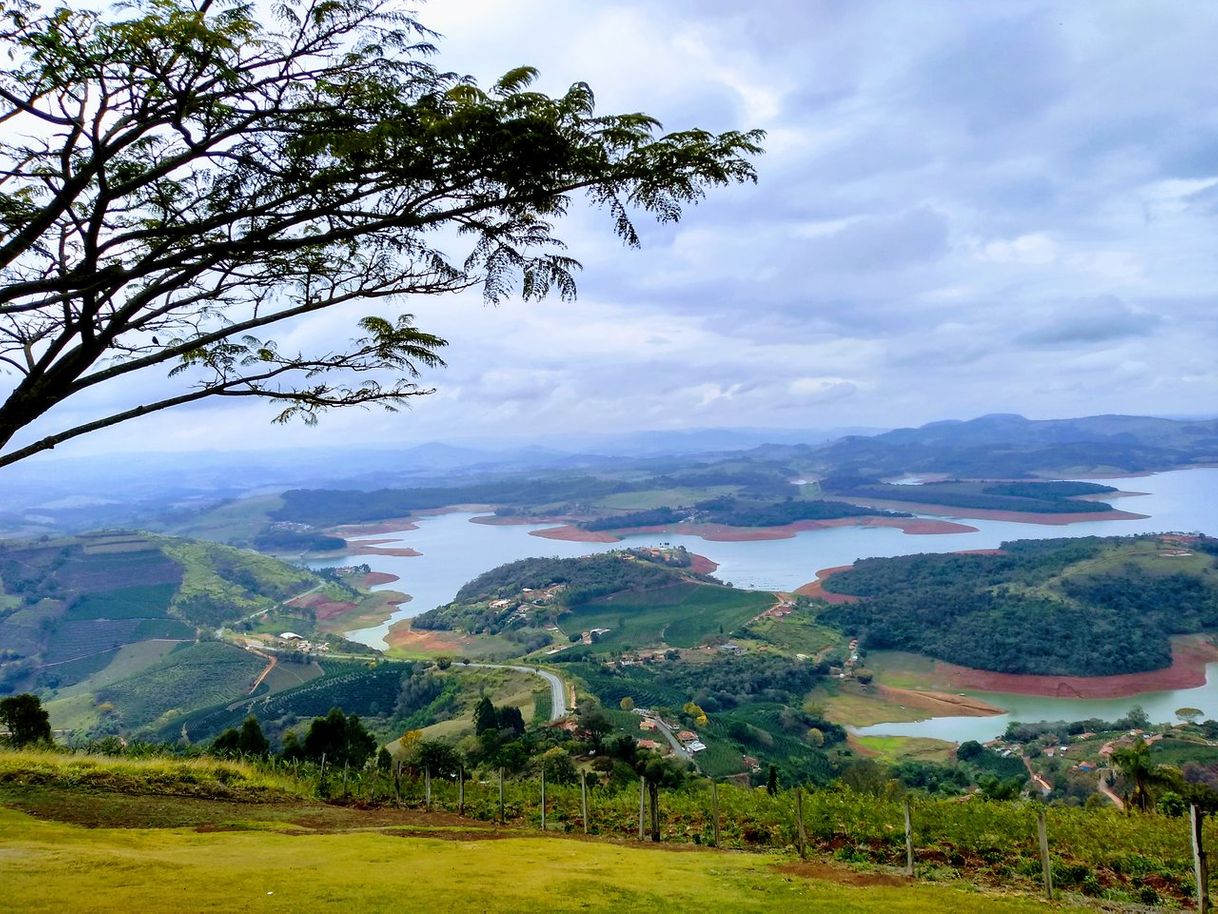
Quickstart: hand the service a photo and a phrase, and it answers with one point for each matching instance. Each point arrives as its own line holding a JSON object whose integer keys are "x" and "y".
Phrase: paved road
{"x": 558, "y": 691}
{"x": 680, "y": 750}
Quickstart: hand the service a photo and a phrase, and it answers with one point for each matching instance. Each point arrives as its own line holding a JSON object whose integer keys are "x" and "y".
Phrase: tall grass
{"x": 1102, "y": 852}
{"x": 175, "y": 776}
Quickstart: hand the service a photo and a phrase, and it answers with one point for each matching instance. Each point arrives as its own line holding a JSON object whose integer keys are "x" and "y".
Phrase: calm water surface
{"x": 455, "y": 550}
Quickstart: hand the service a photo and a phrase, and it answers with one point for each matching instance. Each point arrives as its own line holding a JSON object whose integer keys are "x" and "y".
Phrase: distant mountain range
{"x": 1010, "y": 445}
{"x": 85, "y": 493}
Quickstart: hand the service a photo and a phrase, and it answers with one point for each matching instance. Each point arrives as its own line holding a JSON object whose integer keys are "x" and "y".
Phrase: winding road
{"x": 558, "y": 691}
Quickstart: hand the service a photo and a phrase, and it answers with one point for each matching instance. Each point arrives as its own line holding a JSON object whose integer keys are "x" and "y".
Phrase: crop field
{"x": 680, "y": 616}
{"x": 290, "y": 675}
{"x": 128, "y": 660}
{"x": 110, "y": 571}
{"x": 797, "y": 633}
{"x": 193, "y": 676}
{"x": 141, "y": 601}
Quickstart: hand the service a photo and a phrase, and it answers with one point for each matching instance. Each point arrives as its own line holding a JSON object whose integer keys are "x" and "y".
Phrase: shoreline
{"x": 1018, "y": 517}
{"x": 1190, "y": 654}
{"x": 722, "y": 533}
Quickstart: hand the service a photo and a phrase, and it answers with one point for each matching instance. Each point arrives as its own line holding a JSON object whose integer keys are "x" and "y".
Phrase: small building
{"x": 686, "y": 736}
{"x": 696, "y": 746}
{"x": 291, "y": 636}
{"x": 648, "y": 744}
{"x": 647, "y": 724}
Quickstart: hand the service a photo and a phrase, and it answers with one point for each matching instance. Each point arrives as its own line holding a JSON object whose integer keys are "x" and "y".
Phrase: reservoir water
{"x": 455, "y": 551}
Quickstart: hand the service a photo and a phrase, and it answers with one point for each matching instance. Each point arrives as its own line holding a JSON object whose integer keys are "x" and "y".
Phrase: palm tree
{"x": 1133, "y": 762}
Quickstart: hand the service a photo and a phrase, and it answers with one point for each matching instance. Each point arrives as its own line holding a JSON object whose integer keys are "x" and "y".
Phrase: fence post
{"x": 543, "y": 796}
{"x": 1042, "y": 831}
{"x": 715, "y": 811}
{"x": 461, "y": 791}
{"x": 502, "y": 820}
{"x": 801, "y": 834}
{"x": 345, "y": 767}
{"x": 427, "y": 787}
{"x": 909, "y": 856}
{"x": 1200, "y": 864}
{"x": 583, "y": 798}
{"x": 397, "y": 783}
{"x": 642, "y": 800}
{"x": 653, "y": 791}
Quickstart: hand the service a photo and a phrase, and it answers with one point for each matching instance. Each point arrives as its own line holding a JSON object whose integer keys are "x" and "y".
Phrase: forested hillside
{"x": 1089, "y": 606}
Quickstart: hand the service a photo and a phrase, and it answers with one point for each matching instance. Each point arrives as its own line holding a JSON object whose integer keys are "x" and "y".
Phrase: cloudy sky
{"x": 964, "y": 208}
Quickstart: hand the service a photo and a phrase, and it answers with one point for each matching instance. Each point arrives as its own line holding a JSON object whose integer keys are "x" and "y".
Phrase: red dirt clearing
{"x": 373, "y": 578}
{"x": 700, "y": 564}
{"x": 816, "y": 589}
{"x": 425, "y": 642}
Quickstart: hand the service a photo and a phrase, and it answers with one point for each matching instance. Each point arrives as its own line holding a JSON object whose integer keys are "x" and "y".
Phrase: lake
{"x": 454, "y": 551}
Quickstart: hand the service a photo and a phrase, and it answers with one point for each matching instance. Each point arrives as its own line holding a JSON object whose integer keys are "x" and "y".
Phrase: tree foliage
{"x": 340, "y": 738}
{"x": 25, "y": 719}
{"x": 1065, "y": 606}
{"x": 182, "y": 175}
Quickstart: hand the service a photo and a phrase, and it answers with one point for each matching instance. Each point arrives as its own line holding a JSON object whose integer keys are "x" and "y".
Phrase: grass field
{"x": 798, "y": 634}
{"x": 846, "y": 703}
{"x": 681, "y": 615}
{"x": 898, "y": 748}
{"x": 222, "y": 857}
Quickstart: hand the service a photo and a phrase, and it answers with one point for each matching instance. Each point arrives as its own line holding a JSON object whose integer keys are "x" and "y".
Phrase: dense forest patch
{"x": 1088, "y": 606}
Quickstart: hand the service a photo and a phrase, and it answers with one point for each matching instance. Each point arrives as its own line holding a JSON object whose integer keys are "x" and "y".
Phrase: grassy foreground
{"x": 96, "y": 833}
{"x": 53, "y": 866}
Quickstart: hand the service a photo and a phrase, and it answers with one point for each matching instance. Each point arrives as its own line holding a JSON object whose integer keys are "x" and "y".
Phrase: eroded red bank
{"x": 1190, "y": 654}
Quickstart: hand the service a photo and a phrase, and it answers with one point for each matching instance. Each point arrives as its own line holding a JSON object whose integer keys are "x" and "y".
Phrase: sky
{"x": 963, "y": 208}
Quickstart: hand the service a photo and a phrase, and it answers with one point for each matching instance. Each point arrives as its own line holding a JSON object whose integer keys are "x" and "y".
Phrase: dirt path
{"x": 272, "y": 662}
{"x": 1108, "y": 791}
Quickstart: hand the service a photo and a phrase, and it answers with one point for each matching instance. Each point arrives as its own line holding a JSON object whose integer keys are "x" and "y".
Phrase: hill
{"x": 533, "y": 592}
{"x": 1008, "y": 445}
{"x": 1087, "y": 606}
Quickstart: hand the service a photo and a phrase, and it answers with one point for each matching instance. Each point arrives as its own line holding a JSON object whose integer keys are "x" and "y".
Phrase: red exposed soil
{"x": 1019, "y": 517}
{"x": 700, "y": 564}
{"x": 331, "y": 608}
{"x": 423, "y": 641}
{"x": 1189, "y": 656}
{"x": 725, "y": 534}
{"x": 817, "y": 591}
{"x": 373, "y": 578}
